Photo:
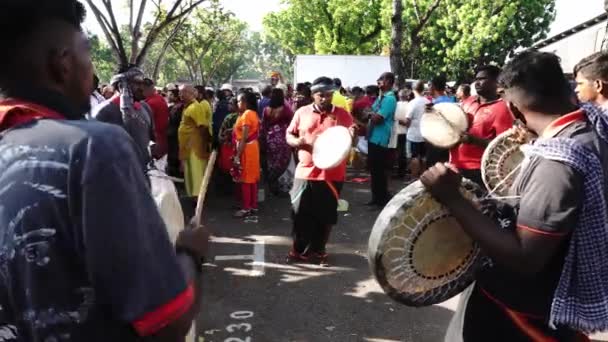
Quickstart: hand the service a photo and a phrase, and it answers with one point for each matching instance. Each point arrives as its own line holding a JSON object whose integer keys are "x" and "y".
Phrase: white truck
{"x": 352, "y": 70}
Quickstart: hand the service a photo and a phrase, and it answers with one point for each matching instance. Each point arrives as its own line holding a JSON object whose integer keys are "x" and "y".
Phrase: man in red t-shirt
{"x": 315, "y": 192}
{"x": 160, "y": 113}
{"x": 488, "y": 116}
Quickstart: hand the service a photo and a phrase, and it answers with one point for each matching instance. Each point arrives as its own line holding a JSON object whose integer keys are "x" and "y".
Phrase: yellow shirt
{"x": 340, "y": 101}
{"x": 195, "y": 115}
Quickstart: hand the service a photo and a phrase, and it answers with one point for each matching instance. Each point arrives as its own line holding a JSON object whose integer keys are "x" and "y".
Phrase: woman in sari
{"x": 276, "y": 119}
{"x": 247, "y": 158}
{"x": 227, "y": 150}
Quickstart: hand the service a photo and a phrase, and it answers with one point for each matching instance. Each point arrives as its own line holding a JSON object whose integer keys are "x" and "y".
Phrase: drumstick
{"x": 198, "y": 219}
{"x": 198, "y": 212}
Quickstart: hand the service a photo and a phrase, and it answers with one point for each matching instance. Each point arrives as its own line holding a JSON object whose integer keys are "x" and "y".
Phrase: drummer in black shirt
{"x": 513, "y": 299}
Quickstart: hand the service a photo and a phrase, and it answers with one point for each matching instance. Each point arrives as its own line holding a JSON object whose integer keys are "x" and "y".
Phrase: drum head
{"x": 418, "y": 252}
{"x": 443, "y": 125}
{"x": 501, "y": 160}
{"x": 331, "y": 147}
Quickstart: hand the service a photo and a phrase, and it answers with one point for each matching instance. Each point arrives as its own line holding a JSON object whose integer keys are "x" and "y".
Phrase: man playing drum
{"x": 549, "y": 278}
{"x": 489, "y": 116}
{"x": 315, "y": 192}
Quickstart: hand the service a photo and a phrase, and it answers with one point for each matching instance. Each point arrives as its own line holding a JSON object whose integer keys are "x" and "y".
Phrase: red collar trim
{"x": 15, "y": 112}
{"x": 562, "y": 122}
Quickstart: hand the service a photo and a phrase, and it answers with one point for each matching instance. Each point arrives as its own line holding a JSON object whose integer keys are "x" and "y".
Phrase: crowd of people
{"x": 85, "y": 254}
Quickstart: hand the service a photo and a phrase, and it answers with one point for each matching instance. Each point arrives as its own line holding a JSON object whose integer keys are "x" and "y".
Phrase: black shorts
{"x": 315, "y": 200}
{"x": 416, "y": 149}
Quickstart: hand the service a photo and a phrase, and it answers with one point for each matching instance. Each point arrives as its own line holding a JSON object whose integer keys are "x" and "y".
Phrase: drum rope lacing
{"x": 493, "y": 191}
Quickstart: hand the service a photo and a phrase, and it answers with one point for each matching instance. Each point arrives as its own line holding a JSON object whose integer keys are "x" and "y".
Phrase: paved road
{"x": 299, "y": 302}
{"x": 260, "y": 298}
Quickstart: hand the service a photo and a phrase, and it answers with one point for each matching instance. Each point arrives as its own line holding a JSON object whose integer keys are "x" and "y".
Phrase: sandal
{"x": 294, "y": 256}
{"x": 242, "y": 213}
{"x": 320, "y": 259}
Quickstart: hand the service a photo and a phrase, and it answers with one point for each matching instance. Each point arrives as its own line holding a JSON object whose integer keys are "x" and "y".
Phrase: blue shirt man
{"x": 380, "y": 128}
{"x": 385, "y": 106}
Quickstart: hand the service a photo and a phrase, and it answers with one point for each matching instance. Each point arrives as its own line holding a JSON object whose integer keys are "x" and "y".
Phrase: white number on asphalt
{"x": 236, "y": 327}
{"x": 241, "y": 315}
{"x": 234, "y": 339}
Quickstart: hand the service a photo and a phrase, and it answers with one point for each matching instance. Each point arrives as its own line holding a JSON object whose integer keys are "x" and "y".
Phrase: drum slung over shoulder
{"x": 418, "y": 252}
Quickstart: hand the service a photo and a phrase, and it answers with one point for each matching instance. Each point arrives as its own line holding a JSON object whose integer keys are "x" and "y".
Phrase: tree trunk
{"x": 397, "y": 65}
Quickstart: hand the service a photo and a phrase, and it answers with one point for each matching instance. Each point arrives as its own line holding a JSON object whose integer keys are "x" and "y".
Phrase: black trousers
{"x": 314, "y": 212}
{"x": 401, "y": 155}
{"x": 378, "y": 162}
{"x": 436, "y": 155}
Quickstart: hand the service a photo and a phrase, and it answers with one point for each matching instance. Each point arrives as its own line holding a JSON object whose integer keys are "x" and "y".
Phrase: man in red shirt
{"x": 160, "y": 113}
{"x": 488, "y": 116}
{"x": 315, "y": 192}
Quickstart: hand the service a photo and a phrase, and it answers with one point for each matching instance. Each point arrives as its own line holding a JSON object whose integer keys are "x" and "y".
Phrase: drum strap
{"x": 330, "y": 185}
{"x": 333, "y": 189}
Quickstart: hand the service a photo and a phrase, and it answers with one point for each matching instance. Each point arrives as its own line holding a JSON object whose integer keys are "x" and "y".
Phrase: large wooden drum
{"x": 502, "y": 160}
{"x": 418, "y": 252}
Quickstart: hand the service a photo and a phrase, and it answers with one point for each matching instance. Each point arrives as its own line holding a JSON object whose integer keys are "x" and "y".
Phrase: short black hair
{"x": 277, "y": 98}
{"x": 594, "y": 67}
{"x": 338, "y": 82}
{"x": 148, "y": 82}
{"x": 387, "y": 76}
{"x": 491, "y": 70}
{"x": 303, "y": 89}
{"x": 324, "y": 81}
{"x": 466, "y": 89}
{"x": 419, "y": 87}
{"x": 250, "y": 99}
{"x": 372, "y": 90}
{"x": 357, "y": 90}
{"x": 439, "y": 82}
{"x": 201, "y": 90}
{"x": 21, "y": 20}
{"x": 266, "y": 91}
{"x": 209, "y": 94}
{"x": 536, "y": 80}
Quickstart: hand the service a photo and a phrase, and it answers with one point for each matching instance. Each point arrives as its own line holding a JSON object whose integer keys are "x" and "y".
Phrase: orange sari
{"x": 250, "y": 159}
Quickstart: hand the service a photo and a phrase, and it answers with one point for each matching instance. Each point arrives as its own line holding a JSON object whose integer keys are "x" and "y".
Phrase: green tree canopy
{"x": 440, "y": 36}
{"x": 327, "y": 26}
{"x": 213, "y": 44}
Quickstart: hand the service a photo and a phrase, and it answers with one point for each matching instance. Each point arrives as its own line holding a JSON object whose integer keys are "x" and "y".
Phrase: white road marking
{"x": 234, "y": 257}
{"x": 257, "y": 257}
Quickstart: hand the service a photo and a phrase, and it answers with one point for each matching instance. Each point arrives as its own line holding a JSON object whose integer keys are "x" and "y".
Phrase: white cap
{"x": 226, "y": 86}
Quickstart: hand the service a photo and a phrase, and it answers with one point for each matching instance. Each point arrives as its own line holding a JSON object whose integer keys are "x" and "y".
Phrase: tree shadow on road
{"x": 310, "y": 303}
